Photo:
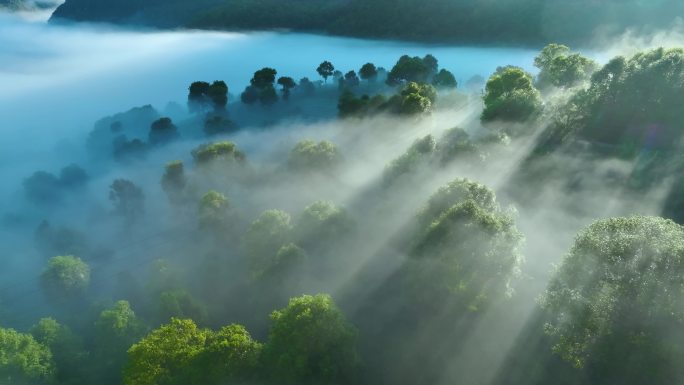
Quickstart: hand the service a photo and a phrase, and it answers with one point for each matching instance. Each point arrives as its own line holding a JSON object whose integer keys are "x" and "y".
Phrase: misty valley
{"x": 259, "y": 206}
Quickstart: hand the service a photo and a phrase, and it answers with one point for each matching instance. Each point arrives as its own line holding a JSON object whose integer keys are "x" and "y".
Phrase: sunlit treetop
{"x": 219, "y": 151}
{"x": 309, "y": 155}
{"x": 560, "y": 67}
{"x": 647, "y": 88}
{"x": 457, "y": 191}
{"x": 66, "y": 275}
{"x": 510, "y": 96}
{"x": 621, "y": 289}
{"x": 23, "y": 360}
{"x": 180, "y": 353}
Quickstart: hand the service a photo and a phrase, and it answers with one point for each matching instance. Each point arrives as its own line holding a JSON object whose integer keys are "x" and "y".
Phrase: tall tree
{"x": 326, "y": 70}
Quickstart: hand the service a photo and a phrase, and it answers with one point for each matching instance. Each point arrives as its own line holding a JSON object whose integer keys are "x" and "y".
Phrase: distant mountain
{"x": 20, "y": 5}
{"x": 511, "y": 22}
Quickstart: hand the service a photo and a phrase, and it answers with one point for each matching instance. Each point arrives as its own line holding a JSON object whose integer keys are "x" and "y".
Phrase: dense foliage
{"x": 160, "y": 261}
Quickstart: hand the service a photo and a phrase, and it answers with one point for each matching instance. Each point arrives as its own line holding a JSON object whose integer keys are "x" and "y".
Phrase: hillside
{"x": 516, "y": 22}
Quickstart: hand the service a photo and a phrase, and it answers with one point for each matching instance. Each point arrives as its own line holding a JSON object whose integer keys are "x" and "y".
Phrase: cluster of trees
{"x": 456, "y": 145}
{"x": 309, "y": 342}
{"x": 609, "y": 111}
{"x": 46, "y": 188}
{"x": 612, "y": 313}
{"x": 418, "y": 79}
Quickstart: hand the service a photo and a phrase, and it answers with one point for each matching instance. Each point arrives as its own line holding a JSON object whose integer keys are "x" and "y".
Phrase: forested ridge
{"x": 490, "y": 22}
{"x": 368, "y": 225}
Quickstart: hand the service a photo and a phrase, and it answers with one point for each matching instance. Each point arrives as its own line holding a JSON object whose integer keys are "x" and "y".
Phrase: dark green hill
{"x": 513, "y": 22}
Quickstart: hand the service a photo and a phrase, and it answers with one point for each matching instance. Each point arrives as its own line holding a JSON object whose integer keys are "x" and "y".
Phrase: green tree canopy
{"x": 264, "y": 238}
{"x": 444, "y": 79}
{"x": 116, "y": 330}
{"x": 23, "y": 360}
{"x": 510, "y": 96}
{"x": 310, "y": 342}
{"x": 412, "y": 69}
{"x": 218, "y": 152}
{"x": 561, "y": 68}
{"x": 308, "y": 155}
{"x": 616, "y": 302}
{"x": 213, "y": 211}
{"x": 631, "y": 103}
{"x": 66, "y": 276}
{"x": 321, "y": 225}
{"x": 67, "y": 350}
{"x": 179, "y": 353}
{"x": 466, "y": 248}
{"x": 128, "y": 199}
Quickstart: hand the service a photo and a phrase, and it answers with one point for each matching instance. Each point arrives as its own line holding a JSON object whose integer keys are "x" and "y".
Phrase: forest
{"x": 367, "y": 226}
{"x": 489, "y": 22}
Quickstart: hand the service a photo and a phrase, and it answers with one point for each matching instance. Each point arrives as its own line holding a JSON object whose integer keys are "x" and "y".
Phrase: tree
{"x": 125, "y": 150}
{"x": 23, "y": 360}
{"x": 561, "y": 68}
{"x": 307, "y": 86}
{"x": 165, "y": 355}
{"x": 218, "y": 125}
{"x": 217, "y": 152}
{"x": 261, "y": 88}
{"x": 615, "y": 302}
{"x": 116, "y": 330}
{"x": 511, "y": 96}
{"x": 326, "y": 70}
{"x": 419, "y": 154}
{"x": 162, "y": 131}
{"x": 368, "y": 72}
{"x": 174, "y": 180}
{"x": 414, "y": 99}
{"x": 466, "y": 249}
{"x": 647, "y": 88}
{"x": 198, "y": 96}
{"x": 180, "y": 304}
{"x": 264, "y": 77}
{"x": 310, "y": 342}
{"x": 264, "y": 238}
{"x": 179, "y": 353}
{"x": 431, "y": 64}
{"x": 218, "y": 94}
{"x": 67, "y": 350}
{"x": 351, "y": 79}
{"x": 65, "y": 279}
{"x": 268, "y": 96}
{"x": 414, "y": 104}
{"x": 230, "y": 356}
{"x": 321, "y": 226}
{"x": 128, "y": 199}
{"x": 410, "y": 69}
{"x": 73, "y": 176}
{"x": 213, "y": 211}
{"x": 288, "y": 84}
{"x": 42, "y": 188}
{"x": 349, "y": 105}
{"x": 308, "y": 155}
{"x": 203, "y": 94}
{"x": 444, "y": 79}
{"x": 250, "y": 95}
